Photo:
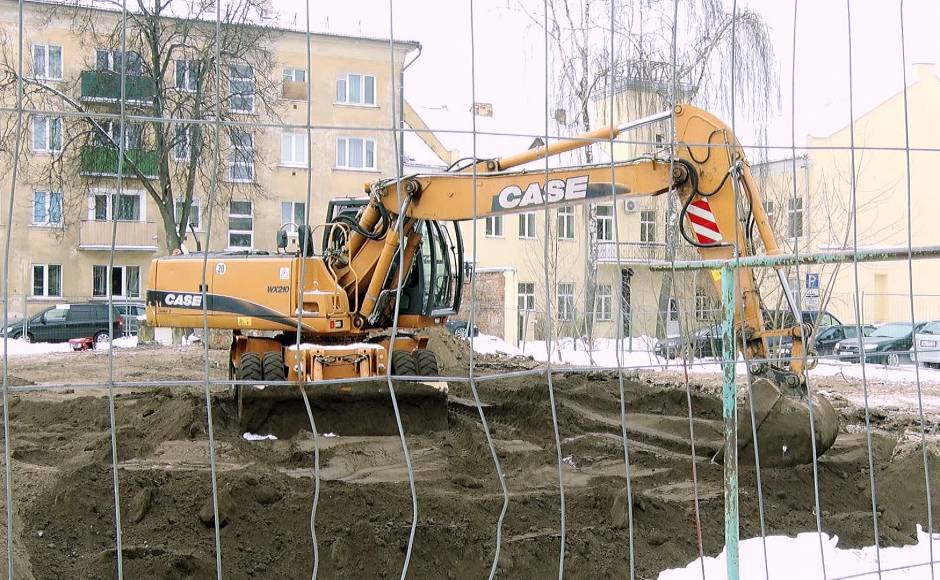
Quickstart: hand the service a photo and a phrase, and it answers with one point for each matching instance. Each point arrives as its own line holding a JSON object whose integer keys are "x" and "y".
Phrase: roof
{"x": 273, "y": 23}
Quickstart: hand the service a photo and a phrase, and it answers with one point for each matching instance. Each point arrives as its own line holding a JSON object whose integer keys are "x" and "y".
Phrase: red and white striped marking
{"x": 703, "y": 221}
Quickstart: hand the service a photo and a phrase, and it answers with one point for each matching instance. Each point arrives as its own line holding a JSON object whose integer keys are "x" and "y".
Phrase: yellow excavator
{"x": 343, "y": 297}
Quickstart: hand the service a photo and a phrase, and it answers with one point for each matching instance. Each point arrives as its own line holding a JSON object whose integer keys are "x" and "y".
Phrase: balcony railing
{"x": 105, "y": 87}
{"x": 131, "y": 236}
{"x": 641, "y": 251}
{"x": 103, "y": 162}
{"x": 294, "y": 90}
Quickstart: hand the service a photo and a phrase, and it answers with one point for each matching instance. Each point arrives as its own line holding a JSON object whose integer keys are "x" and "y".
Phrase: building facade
{"x": 68, "y": 198}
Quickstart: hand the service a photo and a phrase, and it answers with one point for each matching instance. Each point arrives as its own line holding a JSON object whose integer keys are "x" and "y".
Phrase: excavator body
{"x": 390, "y": 265}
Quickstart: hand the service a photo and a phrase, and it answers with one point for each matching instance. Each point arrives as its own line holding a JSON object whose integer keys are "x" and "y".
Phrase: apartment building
{"x": 69, "y": 197}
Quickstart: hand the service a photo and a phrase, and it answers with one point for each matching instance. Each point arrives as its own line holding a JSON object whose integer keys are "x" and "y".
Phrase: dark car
{"x": 888, "y": 344}
{"x": 459, "y": 328}
{"x": 704, "y": 342}
{"x": 63, "y": 322}
{"x": 825, "y": 340}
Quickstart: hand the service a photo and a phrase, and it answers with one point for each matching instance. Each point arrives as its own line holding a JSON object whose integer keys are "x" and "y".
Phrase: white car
{"x": 927, "y": 344}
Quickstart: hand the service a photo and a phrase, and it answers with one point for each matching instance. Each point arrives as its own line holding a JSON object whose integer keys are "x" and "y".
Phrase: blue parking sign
{"x": 812, "y": 281}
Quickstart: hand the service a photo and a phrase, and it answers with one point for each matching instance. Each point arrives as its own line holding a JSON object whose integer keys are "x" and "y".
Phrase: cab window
{"x": 55, "y": 315}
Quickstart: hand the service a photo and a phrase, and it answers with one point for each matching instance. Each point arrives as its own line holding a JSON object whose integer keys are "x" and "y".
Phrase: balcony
{"x": 131, "y": 236}
{"x": 103, "y": 162}
{"x": 105, "y": 87}
{"x": 294, "y": 90}
{"x": 641, "y": 251}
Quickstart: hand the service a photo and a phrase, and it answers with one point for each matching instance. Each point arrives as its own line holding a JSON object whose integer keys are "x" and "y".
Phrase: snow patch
{"x": 255, "y": 437}
{"x": 799, "y": 557}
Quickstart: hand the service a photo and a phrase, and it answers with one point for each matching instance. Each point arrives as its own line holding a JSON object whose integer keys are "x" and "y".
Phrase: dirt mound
{"x": 65, "y": 505}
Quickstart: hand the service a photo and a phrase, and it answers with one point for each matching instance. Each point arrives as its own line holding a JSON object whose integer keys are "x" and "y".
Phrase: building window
{"x": 193, "y": 214}
{"x": 673, "y": 310}
{"x": 769, "y": 208}
{"x": 47, "y": 62}
{"x": 183, "y": 145}
{"x": 125, "y": 281}
{"x": 604, "y": 300}
{"x": 106, "y": 205}
{"x": 526, "y": 296}
{"x": 111, "y": 136}
{"x": 47, "y": 134}
{"x": 295, "y": 75}
{"x": 702, "y": 307}
{"x": 242, "y": 87}
{"x": 107, "y": 60}
{"x": 527, "y": 225}
{"x": 565, "y": 301}
{"x": 605, "y": 223}
{"x": 242, "y": 157}
{"x": 240, "y": 225}
{"x": 355, "y": 153}
{"x": 47, "y": 280}
{"x": 294, "y": 148}
{"x": 355, "y": 89}
{"x": 47, "y": 208}
{"x": 648, "y": 226}
{"x": 493, "y": 225}
{"x": 566, "y": 223}
{"x": 293, "y": 212}
{"x": 795, "y": 228}
{"x": 187, "y": 74}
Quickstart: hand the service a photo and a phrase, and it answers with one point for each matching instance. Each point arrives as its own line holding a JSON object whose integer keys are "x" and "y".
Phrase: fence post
{"x": 729, "y": 411}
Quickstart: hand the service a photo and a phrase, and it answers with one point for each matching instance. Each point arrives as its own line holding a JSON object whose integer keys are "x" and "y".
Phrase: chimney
{"x": 925, "y": 71}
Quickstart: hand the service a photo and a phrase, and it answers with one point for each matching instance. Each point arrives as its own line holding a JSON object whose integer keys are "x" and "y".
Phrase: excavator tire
{"x": 272, "y": 366}
{"x": 404, "y": 364}
{"x": 249, "y": 367}
{"x": 426, "y": 363}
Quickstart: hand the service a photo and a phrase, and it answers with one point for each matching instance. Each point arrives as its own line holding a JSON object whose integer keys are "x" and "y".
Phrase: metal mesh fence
{"x": 98, "y": 145}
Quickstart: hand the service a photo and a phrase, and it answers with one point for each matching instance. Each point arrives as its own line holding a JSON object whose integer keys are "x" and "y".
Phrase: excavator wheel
{"x": 404, "y": 364}
{"x": 272, "y": 366}
{"x": 426, "y": 363}
{"x": 249, "y": 369}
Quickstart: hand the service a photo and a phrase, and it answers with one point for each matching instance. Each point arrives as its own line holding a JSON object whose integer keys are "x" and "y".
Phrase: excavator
{"x": 318, "y": 317}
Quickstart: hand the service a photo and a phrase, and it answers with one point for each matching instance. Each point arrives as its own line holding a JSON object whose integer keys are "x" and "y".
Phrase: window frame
{"x": 605, "y": 299}
{"x": 345, "y": 148}
{"x": 527, "y": 225}
{"x": 289, "y": 73}
{"x": 236, "y": 93}
{"x": 48, "y": 147}
{"x": 701, "y": 305}
{"x": 251, "y": 232}
{"x": 568, "y": 297}
{"x": 293, "y": 205}
{"x": 565, "y": 216}
{"x": 295, "y": 137}
{"x": 194, "y": 205}
{"x": 45, "y": 281}
{"x": 493, "y": 226}
{"x": 112, "y": 64}
{"x": 124, "y": 269}
{"x": 183, "y": 136}
{"x": 648, "y": 226}
{"x": 110, "y": 195}
{"x": 239, "y": 159}
{"x": 190, "y": 75}
{"x": 345, "y": 100}
{"x": 606, "y": 220}
{"x": 46, "y": 48}
{"x": 795, "y": 211}
{"x": 525, "y": 301}
{"x": 47, "y": 208}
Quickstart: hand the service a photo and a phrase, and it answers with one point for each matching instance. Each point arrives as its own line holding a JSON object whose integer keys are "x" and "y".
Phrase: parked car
{"x": 887, "y": 344}
{"x": 927, "y": 341}
{"x": 704, "y": 342}
{"x": 459, "y": 328}
{"x": 825, "y": 341}
{"x": 63, "y": 322}
{"x": 130, "y": 313}
{"x": 781, "y": 347}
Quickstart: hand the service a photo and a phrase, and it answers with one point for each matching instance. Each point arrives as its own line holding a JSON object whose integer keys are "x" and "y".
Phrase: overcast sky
{"x": 510, "y": 67}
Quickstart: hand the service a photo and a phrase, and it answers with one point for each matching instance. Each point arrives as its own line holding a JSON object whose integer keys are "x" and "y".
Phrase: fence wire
{"x": 548, "y": 370}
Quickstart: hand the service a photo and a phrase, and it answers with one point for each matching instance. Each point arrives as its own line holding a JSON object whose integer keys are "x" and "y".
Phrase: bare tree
{"x": 178, "y": 79}
{"x": 651, "y": 71}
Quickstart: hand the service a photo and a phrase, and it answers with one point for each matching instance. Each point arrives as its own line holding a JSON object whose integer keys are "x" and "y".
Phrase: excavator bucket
{"x": 784, "y": 433}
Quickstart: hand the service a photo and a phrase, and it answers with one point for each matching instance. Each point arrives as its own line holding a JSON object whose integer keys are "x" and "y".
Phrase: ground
{"x": 64, "y": 507}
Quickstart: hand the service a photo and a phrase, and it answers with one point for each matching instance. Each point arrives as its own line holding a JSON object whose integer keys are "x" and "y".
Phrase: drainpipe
{"x": 401, "y": 112}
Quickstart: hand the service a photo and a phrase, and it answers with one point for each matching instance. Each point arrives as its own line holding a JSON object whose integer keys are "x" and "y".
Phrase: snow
{"x": 255, "y": 437}
{"x": 21, "y": 347}
{"x": 604, "y": 355}
{"x": 799, "y": 557}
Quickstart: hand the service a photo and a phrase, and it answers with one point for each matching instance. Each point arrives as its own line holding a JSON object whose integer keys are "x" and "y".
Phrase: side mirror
{"x": 281, "y": 239}
{"x": 305, "y": 240}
